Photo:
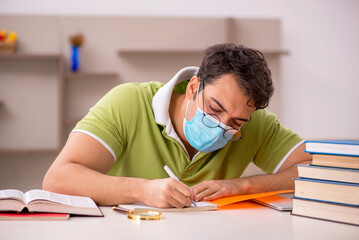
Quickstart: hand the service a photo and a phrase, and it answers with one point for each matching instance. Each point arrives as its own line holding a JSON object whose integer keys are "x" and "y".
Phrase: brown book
{"x": 328, "y": 173}
{"x": 331, "y": 191}
{"x": 335, "y": 161}
{"x": 45, "y": 201}
{"x": 326, "y": 211}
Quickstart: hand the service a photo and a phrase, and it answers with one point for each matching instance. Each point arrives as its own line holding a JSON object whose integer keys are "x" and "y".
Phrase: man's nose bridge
{"x": 226, "y": 120}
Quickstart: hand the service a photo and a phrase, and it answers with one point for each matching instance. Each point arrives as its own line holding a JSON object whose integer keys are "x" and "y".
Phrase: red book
{"x": 33, "y": 216}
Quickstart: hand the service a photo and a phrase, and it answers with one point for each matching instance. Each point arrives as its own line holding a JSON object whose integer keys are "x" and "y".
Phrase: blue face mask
{"x": 200, "y": 136}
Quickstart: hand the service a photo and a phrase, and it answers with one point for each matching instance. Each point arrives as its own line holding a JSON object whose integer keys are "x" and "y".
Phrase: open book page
{"x": 201, "y": 206}
{"x": 12, "y": 193}
{"x": 74, "y": 201}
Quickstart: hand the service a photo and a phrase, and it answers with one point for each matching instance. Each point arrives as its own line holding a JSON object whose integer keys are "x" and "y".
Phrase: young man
{"x": 206, "y": 124}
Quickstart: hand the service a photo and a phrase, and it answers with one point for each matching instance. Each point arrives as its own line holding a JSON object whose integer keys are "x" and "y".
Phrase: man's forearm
{"x": 75, "y": 179}
{"x": 270, "y": 182}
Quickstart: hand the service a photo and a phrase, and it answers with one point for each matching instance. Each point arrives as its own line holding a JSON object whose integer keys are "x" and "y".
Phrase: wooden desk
{"x": 251, "y": 222}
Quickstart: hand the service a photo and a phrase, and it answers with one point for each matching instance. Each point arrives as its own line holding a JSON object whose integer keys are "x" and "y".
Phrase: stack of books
{"x": 329, "y": 187}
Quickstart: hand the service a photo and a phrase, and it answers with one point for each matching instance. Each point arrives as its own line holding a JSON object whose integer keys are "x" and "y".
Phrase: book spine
{"x": 331, "y": 153}
{"x": 328, "y": 202}
{"x": 347, "y": 175}
{"x": 331, "y": 191}
{"x": 326, "y": 211}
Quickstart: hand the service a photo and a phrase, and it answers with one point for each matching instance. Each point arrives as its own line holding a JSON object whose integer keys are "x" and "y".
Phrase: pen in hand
{"x": 172, "y": 175}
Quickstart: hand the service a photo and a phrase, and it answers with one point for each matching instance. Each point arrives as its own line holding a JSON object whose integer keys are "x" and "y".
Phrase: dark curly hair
{"x": 247, "y": 65}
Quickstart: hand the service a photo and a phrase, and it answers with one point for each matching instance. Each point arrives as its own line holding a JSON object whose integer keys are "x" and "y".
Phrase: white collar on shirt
{"x": 161, "y": 100}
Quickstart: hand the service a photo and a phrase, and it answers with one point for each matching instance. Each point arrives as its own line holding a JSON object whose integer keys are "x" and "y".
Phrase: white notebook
{"x": 201, "y": 206}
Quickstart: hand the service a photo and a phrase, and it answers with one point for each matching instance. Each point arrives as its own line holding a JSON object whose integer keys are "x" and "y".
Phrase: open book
{"x": 44, "y": 201}
{"x": 201, "y": 206}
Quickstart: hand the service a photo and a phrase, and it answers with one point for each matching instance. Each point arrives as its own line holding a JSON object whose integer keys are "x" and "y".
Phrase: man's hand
{"x": 168, "y": 192}
{"x": 213, "y": 189}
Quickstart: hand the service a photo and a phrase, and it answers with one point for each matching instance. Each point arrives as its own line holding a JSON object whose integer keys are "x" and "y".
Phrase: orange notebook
{"x": 229, "y": 200}
{"x": 34, "y": 216}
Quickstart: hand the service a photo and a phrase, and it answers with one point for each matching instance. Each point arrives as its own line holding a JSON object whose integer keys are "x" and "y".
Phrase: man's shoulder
{"x": 262, "y": 124}
{"x": 262, "y": 116}
{"x": 137, "y": 89}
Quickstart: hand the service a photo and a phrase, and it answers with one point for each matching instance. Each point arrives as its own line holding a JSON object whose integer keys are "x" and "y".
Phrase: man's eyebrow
{"x": 219, "y": 104}
{"x": 224, "y": 109}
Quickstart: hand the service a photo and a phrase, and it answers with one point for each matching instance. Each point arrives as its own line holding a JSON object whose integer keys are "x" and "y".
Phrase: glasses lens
{"x": 210, "y": 120}
{"x": 232, "y": 134}
{"x": 237, "y": 136}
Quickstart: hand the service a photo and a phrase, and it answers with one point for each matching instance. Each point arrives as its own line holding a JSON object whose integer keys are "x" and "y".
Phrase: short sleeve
{"x": 111, "y": 120}
{"x": 272, "y": 140}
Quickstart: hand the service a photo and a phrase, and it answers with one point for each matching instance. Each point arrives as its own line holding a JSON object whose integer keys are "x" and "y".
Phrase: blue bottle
{"x": 75, "y": 58}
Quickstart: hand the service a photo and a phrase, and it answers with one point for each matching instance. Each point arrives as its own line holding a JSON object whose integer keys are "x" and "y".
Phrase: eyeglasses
{"x": 212, "y": 121}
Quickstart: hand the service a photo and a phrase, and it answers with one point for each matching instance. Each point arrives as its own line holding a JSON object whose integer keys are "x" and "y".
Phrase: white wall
{"x": 320, "y": 77}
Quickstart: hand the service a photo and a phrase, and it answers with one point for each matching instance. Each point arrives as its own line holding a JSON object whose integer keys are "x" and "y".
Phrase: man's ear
{"x": 192, "y": 87}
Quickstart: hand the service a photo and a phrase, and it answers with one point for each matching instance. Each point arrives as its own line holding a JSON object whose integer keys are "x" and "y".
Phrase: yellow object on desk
{"x": 139, "y": 215}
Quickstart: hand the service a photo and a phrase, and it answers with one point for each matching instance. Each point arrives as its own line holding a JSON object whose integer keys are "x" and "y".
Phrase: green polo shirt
{"x": 137, "y": 130}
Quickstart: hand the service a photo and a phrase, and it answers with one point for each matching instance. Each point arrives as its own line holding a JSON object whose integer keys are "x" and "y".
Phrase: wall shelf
{"x": 74, "y": 75}
{"x": 30, "y": 56}
{"x": 28, "y": 151}
{"x": 158, "y": 50}
{"x": 190, "y": 51}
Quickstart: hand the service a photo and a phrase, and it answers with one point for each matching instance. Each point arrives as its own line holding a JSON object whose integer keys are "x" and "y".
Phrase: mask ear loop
{"x": 185, "y": 114}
